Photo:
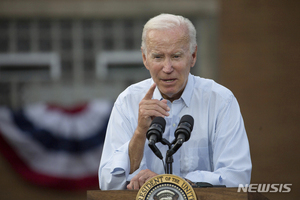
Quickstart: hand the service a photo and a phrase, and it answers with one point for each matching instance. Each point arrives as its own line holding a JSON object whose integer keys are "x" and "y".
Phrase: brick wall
{"x": 259, "y": 62}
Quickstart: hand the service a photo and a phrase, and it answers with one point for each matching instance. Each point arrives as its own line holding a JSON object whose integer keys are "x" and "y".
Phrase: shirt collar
{"x": 186, "y": 95}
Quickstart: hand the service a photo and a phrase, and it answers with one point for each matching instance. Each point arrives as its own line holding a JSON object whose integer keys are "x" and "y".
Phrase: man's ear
{"x": 194, "y": 57}
{"x": 144, "y": 58}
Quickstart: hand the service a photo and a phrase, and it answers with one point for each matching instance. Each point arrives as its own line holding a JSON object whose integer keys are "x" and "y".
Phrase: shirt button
{"x": 174, "y": 125}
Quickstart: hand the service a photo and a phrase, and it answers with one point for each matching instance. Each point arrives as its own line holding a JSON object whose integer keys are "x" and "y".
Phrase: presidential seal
{"x": 166, "y": 187}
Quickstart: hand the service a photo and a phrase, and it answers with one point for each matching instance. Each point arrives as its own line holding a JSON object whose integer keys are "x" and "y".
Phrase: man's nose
{"x": 168, "y": 66}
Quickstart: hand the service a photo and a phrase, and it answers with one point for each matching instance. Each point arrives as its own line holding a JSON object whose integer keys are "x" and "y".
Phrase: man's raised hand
{"x": 150, "y": 108}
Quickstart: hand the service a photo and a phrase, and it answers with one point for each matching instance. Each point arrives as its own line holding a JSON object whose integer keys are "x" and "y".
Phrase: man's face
{"x": 169, "y": 60}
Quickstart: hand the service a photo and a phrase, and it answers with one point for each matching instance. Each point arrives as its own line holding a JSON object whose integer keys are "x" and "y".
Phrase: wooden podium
{"x": 201, "y": 193}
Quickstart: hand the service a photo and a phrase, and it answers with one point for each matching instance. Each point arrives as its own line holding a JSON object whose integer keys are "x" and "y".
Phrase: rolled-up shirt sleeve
{"x": 115, "y": 163}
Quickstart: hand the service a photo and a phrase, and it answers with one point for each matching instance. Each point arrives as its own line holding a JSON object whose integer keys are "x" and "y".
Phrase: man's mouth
{"x": 168, "y": 80}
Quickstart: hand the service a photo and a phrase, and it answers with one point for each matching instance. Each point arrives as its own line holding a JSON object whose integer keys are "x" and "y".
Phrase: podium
{"x": 201, "y": 193}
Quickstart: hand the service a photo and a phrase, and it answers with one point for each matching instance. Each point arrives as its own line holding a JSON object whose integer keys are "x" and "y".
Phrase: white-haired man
{"x": 218, "y": 149}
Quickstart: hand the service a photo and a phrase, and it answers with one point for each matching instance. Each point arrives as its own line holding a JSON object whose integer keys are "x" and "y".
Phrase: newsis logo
{"x": 262, "y": 188}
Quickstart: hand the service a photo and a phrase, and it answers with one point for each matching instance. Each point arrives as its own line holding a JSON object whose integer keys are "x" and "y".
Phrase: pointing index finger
{"x": 150, "y": 92}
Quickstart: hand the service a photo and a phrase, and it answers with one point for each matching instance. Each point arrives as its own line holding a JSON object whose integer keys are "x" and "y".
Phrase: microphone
{"x": 182, "y": 133}
{"x": 154, "y": 134}
{"x": 156, "y": 129}
{"x": 184, "y": 129}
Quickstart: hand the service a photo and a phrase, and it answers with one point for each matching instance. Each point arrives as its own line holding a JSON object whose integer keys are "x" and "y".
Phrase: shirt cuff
{"x": 205, "y": 176}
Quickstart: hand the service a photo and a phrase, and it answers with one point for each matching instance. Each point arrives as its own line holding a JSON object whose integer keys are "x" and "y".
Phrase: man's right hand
{"x": 150, "y": 108}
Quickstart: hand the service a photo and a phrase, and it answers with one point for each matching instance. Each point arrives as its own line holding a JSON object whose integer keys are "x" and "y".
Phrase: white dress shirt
{"x": 217, "y": 151}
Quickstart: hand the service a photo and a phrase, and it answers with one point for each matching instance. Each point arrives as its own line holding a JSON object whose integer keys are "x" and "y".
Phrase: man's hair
{"x": 168, "y": 21}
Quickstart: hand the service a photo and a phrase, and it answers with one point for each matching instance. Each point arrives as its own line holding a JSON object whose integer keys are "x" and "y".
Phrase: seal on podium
{"x": 166, "y": 187}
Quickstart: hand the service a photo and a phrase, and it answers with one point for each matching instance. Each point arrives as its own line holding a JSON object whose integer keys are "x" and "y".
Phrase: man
{"x": 217, "y": 151}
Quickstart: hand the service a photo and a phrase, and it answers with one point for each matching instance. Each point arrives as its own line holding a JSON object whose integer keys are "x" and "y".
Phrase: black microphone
{"x": 182, "y": 133}
{"x": 154, "y": 134}
{"x": 184, "y": 129}
{"x": 156, "y": 129}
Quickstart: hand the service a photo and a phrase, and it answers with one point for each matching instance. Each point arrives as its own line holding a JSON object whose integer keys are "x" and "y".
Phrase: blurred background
{"x": 63, "y": 63}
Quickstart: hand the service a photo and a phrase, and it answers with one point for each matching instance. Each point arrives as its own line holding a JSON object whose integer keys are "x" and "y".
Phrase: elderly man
{"x": 218, "y": 149}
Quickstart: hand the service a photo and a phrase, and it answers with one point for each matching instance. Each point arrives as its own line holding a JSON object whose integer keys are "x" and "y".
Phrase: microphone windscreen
{"x": 159, "y": 120}
{"x": 188, "y": 119}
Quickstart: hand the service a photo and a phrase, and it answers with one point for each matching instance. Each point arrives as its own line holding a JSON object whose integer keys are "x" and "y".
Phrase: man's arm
{"x": 230, "y": 147}
{"x": 114, "y": 164}
{"x": 136, "y": 149}
{"x": 123, "y": 150}
{"x": 148, "y": 109}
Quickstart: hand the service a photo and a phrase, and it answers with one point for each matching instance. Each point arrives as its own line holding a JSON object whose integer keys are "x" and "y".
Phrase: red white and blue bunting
{"x": 54, "y": 146}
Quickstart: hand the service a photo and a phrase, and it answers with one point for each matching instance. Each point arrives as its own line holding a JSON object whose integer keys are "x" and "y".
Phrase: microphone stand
{"x": 169, "y": 159}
